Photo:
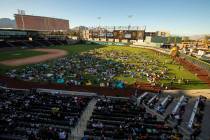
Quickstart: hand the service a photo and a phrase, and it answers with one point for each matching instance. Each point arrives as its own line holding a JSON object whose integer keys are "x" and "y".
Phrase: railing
{"x": 165, "y": 100}
{"x": 153, "y": 98}
{"x": 178, "y": 105}
{"x": 192, "y": 117}
{"x": 197, "y": 62}
{"x": 6, "y": 88}
{"x": 53, "y": 91}
{"x": 139, "y": 99}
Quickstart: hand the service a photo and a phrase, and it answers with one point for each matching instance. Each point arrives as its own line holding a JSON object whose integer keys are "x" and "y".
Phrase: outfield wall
{"x": 107, "y": 43}
{"x": 148, "y": 44}
{"x": 166, "y": 40}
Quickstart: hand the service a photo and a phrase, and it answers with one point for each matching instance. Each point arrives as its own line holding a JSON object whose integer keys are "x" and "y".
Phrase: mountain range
{"x": 7, "y": 23}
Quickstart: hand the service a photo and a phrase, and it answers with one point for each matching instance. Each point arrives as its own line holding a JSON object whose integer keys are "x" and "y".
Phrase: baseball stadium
{"x": 101, "y": 82}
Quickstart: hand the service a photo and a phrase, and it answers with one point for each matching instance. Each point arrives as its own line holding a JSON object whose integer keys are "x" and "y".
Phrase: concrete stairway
{"x": 78, "y": 132}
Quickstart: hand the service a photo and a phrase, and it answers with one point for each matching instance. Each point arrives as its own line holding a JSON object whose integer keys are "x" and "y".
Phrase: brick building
{"x": 39, "y": 23}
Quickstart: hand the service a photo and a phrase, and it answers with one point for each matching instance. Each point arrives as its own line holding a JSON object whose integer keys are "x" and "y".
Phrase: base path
{"x": 51, "y": 54}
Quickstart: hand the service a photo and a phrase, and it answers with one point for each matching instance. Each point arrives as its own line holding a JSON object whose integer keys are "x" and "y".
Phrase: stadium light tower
{"x": 99, "y": 18}
{"x": 21, "y": 13}
{"x": 129, "y": 17}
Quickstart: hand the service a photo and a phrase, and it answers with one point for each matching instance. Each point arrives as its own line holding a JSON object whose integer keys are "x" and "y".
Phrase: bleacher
{"x": 31, "y": 44}
{"x": 34, "y": 115}
{"x": 181, "y": 111}
{"x": 17, "y": 43}
{"x": 48, "y": 114}
{"x": 45, "y": 42}
{"x": 4, "y": 44}
{"x": 27, "y": 38}
{"x": 121, "y": 119}
{"x": 56, "y": 42}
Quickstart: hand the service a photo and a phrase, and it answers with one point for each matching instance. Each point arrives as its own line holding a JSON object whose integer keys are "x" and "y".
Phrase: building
{"x": 206, "y": 41}
{"x": 150, "y": 34}
{"x": 40, "y": 23}
{"x": 203, "y": 42}
{"x": 163, "y": 33}
{"x": 85, "y": 34}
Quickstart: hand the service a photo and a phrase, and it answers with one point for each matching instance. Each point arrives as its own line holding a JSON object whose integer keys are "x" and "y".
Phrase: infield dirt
{"x": 51, "y": 54}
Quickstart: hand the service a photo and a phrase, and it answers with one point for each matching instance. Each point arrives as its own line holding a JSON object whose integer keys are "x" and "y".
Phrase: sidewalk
{"x": 193, "y": 93}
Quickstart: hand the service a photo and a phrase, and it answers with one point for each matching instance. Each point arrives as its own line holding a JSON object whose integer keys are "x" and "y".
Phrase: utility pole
{"x": 21, "y": 13}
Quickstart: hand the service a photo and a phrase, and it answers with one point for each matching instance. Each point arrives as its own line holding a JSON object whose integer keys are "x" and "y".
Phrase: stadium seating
{"x": 35, "y": 115}
{"x": 18, "y": 43}
{"x": 42, "y": 115}
{"x": 33, "y": 43}
{"x": 176, "y": 113}
{"x": 30, "y": 44}
{"x": 56, "y": 42}
{"x": 120, "y": 119}
{"x": 4, "y": 44}
{"x": 44, "y": 42}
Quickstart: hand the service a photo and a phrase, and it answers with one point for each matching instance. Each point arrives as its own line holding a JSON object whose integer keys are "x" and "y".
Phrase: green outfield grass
{"x": 77, "y": 49}
{"x": 16, "y": 54}
{"x": 175, "y": 69}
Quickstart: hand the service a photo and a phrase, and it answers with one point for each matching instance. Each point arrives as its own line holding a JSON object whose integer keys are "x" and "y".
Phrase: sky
{"x": 180, "y": 17}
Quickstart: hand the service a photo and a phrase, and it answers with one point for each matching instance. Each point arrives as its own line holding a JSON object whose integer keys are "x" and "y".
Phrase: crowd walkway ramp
{"x": 188, "y": 112}
{"x": 78, "y": 131}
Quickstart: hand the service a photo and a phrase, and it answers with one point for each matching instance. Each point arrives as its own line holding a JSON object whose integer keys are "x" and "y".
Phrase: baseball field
{"x": 98, "y": 65}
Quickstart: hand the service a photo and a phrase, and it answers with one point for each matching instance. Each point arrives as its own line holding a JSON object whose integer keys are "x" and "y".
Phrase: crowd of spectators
{"x": 33, "y": 115}
{"x": 121, "y": 119}
{"x": 102, "y": 68}
{"x": 177, "y": 115}
{"x": 38, "y": 116}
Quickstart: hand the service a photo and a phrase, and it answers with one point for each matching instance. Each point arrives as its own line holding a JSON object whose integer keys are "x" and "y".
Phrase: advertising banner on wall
{"x": 109, "y": 35}
{"x": 102, "y": 34}
{"x": 128, "y": 36}
{"x": 108, "y": 43}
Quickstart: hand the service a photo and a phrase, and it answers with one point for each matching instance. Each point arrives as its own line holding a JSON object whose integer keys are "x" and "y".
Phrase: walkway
{"x": 78, "y": 131}
{"x": 191, "y": 93}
